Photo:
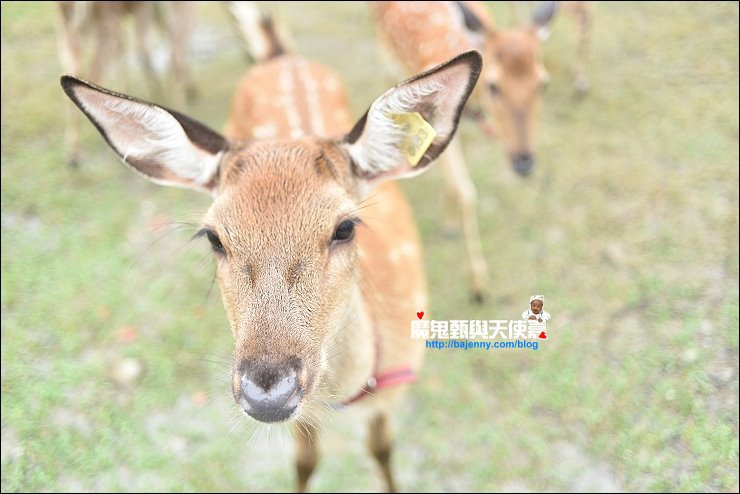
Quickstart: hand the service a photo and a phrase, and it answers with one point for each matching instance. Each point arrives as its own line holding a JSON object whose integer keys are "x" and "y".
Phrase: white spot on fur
{"x": 408, "y": 249}
{"x": 405, "y": 250}
{"x": 312, "y": 99}
{"x": 331, "y": 84}
{"x": 265, "y": 131}
{"x": 287, "y": 100}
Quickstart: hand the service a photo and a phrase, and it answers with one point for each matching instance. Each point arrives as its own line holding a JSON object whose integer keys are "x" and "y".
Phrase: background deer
{"x": 92, "y": 38}
{"x": 417, "y": 35}
{"x": 319, "y": 285}
{"x": 581, "y": 12}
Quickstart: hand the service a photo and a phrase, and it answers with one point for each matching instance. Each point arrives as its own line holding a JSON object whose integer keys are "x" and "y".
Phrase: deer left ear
{"x": 165, "y": 146}
{"x": 411, "y": 124}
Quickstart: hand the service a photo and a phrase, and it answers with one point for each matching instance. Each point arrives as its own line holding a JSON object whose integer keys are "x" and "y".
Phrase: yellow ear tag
{"x": 418, "y": 135}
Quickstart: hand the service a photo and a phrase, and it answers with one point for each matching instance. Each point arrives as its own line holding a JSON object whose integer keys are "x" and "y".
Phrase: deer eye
{"x": 216, "y": 244}
{"x": 344, "y": 232}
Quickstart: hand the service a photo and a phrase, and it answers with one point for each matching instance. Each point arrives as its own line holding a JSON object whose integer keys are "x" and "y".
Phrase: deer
{"x": 580, "y": 10}
{"x": 91, "y": 38}
{"x": 317, "y": 255}
{"x": 414, "y": 36}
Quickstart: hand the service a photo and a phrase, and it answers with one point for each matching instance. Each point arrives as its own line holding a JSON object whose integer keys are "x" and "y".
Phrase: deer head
{"x": 512, "y": 81}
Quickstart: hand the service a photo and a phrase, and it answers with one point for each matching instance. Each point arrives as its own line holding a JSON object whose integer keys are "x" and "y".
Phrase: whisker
{"x": 171, "y": 228}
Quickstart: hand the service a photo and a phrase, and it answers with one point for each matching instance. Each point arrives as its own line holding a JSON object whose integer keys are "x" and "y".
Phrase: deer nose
{"x": 523, "y": 163}
{"x": 270, "y": 393}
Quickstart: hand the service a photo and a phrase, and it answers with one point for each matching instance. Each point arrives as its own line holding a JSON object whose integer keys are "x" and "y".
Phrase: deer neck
{"x": 351, "y": 354}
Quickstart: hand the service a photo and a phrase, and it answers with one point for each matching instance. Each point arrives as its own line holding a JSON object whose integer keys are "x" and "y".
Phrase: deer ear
{"x": 544, "y": 13}
{"x": 165, "y": 146}
{"x": 411, "y": 124}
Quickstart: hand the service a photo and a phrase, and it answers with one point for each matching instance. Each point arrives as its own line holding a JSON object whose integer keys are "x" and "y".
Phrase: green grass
{"x": 629, "y": 227}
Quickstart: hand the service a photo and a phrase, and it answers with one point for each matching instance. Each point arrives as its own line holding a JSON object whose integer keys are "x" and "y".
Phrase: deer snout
{"x": 270, "y": 393}
{"x": 522, "y": 163}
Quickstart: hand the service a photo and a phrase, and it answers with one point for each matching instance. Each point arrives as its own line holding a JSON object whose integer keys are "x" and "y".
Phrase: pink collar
{"x": 387, "y": 379}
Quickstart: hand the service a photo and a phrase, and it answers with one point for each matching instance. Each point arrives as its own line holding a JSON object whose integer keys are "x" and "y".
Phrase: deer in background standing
{"x": 319, "y": 285}
{"x": 419, "y": 35}
{"x": 92, "y": 38}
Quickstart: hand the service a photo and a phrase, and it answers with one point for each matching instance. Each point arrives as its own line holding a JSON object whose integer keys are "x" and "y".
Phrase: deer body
{"x": 307, "y": 99}
{"x": 419, "y": 34}
{"x": 319, "y": 279}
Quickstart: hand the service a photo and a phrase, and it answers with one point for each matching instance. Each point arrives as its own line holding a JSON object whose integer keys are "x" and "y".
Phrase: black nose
{"x": 270, "y": 393}
{"x": 523, "y": 163}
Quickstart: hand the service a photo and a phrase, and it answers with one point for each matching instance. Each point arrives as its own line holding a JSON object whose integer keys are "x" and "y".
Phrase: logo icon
{"x": 536, "y": 316}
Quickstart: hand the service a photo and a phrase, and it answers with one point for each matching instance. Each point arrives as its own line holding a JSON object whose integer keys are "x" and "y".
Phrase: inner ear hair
{"x": 165, "y": 146}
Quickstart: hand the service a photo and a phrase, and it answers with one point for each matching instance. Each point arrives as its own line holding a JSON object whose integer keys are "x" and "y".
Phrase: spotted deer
{"x": 318, "y": 258}
{"x": 417, "y": 35}
{"x": 92, "y": 39}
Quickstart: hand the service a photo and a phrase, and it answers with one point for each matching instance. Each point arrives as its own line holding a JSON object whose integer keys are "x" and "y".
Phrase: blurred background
{"x": 116, "y": 349}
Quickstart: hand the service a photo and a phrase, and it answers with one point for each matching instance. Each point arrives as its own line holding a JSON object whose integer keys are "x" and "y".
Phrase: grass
{"x": 629, "y": 227}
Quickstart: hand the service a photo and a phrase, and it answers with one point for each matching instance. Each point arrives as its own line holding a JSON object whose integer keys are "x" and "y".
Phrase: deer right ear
{"x": 164, "y": 146}
{"x": 411, "y": 124}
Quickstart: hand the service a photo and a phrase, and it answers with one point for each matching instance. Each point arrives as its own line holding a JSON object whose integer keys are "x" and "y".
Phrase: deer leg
{"x": 71, "y": 55}
{"x": 584, "y": 32}
{"x": 458, "y": 178}
{"x": 380, "y": 444}
{"x": 144, "y": 16}
{"x": 307, "y": 452}
{"x": 180, "y": 28}
{"x": 450, "y": 213}
{"x": 107, "y": 40}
